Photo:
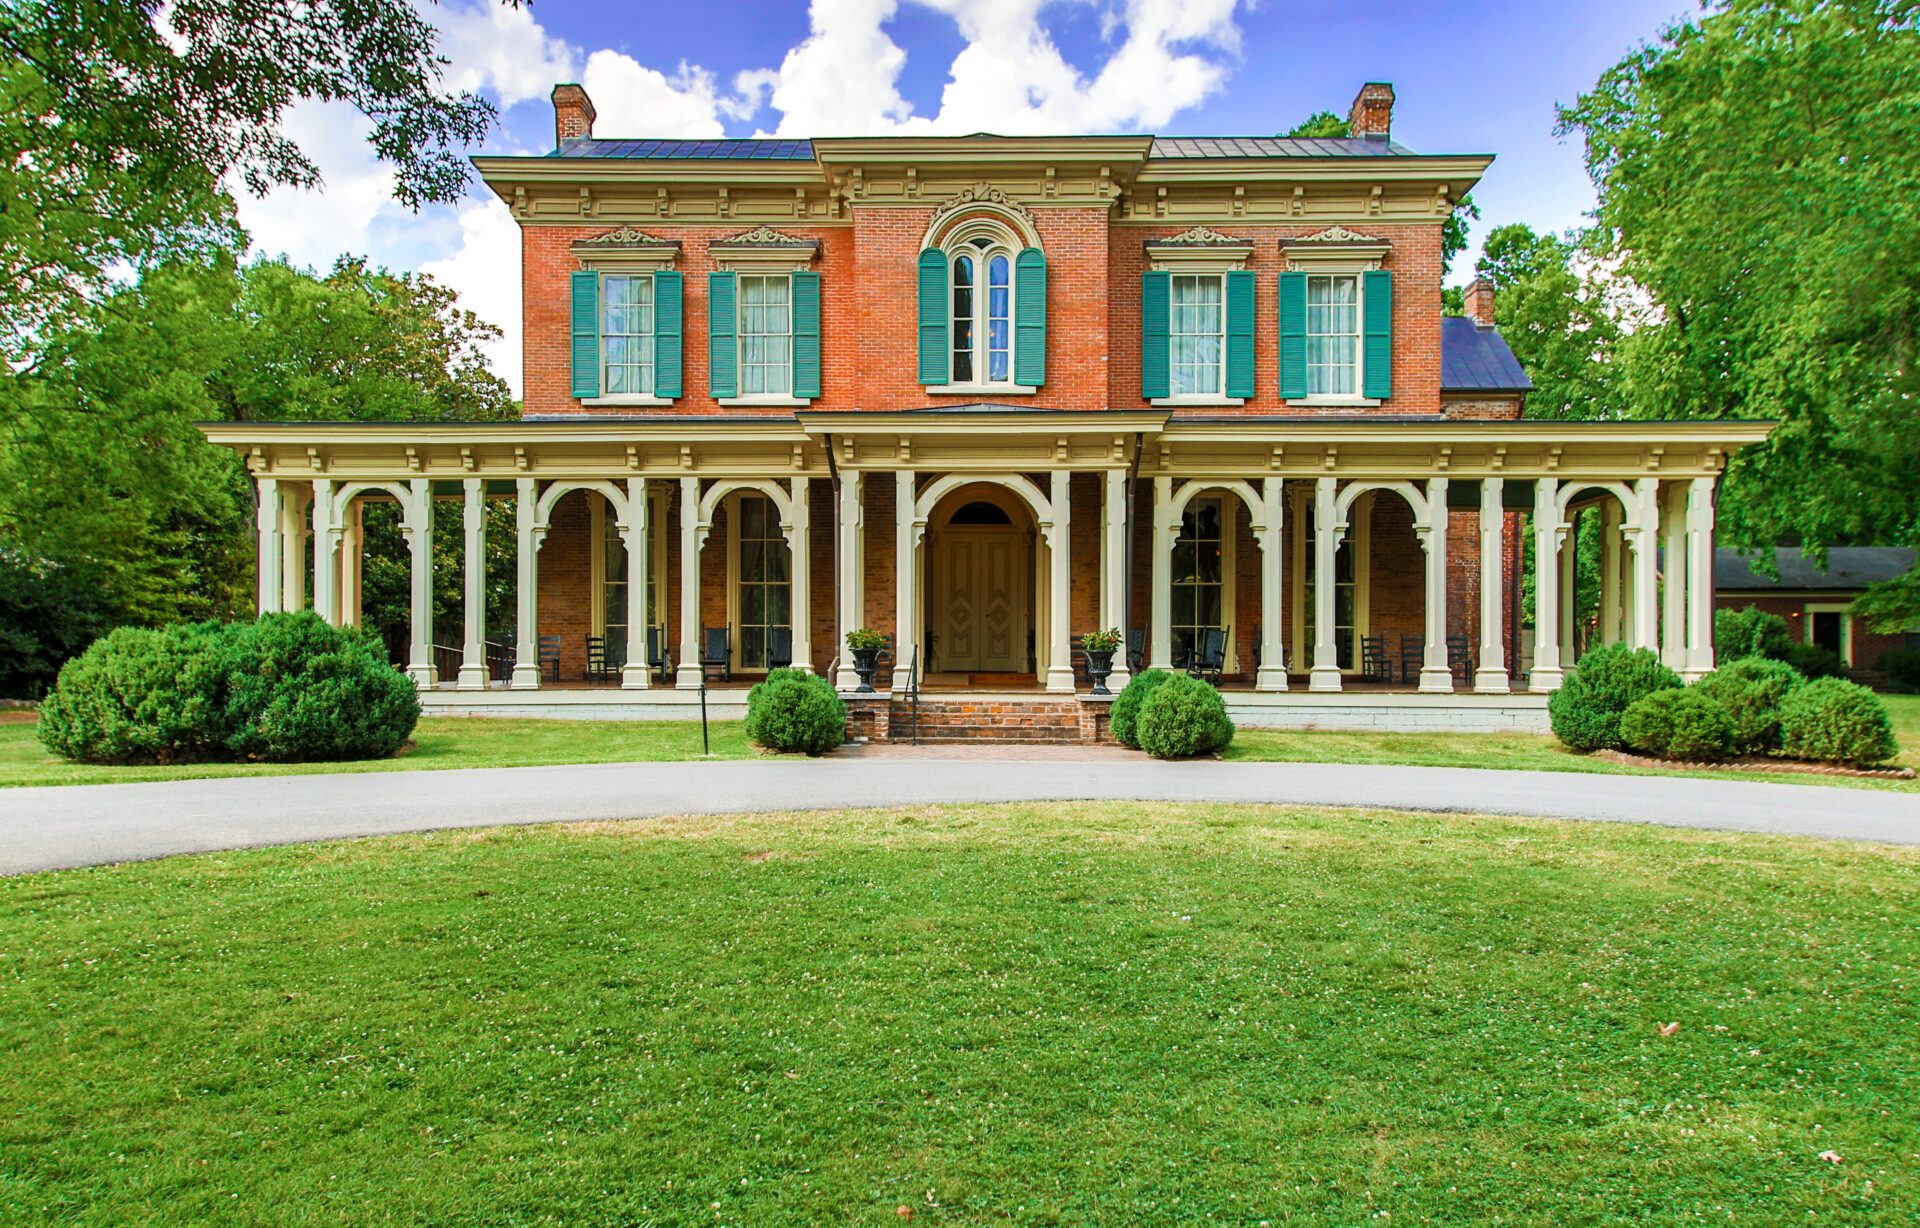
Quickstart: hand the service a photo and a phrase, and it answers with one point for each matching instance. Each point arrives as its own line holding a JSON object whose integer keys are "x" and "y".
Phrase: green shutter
{"x": 723, "y": 354}
{"x": 584, "y": 294}
{"x": 806, "y": 334}
{"x": 1293, "y": 336}
{"x": 667, "y": 334}
{"x": 1030, "y": 318}
{"x": 1240, "y": 333}
{"x": 1376, "y": 349}
{"x": 933, "y": 316}
{"x": 1156, "y": 289}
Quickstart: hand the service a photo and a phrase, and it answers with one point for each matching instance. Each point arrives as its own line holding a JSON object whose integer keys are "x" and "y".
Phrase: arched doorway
{"x": 979, "y": 567}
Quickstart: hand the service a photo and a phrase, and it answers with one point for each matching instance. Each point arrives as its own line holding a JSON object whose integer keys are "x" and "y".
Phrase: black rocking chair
{"x": 550, "y": 657}
{"x": 599, "y": 669}
{"x": 1413, "y": 654}
{"x": 1208, "y": 661}
{"x": 1137, "y": 650}
{"x": 657, "y": 654}
{"x": 716, "y": 652}
{"x": 779, "y": 647}
{"x": 1373, "y": 659}
{"x": 1460, "y": 659}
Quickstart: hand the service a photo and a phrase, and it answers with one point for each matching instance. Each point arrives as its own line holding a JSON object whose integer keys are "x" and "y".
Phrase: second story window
{"x": 982, "y": 309}
{"x": 1333, "y": 335}
{"x": 766, "y": 335}
{"x": 982, "y": 314}
{"x": 1196, "y": 334}
{"x": 626, "y": 335}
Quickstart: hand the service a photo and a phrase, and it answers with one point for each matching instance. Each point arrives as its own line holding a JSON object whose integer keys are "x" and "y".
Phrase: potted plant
{"x": 865, "y": 645}
{"x": 1100, "y": 647}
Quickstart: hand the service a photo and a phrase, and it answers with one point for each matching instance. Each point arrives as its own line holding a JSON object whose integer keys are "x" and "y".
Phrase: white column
{"x": 1490, "y": 677}
{"x": 1325, "y": 675}
{"x": 1546, "y": 673}
{"x": 353, "y": 540}
{"x": 636, "y": 671}
{"x": 1115, "y": 562}
{"x": 473, "y": 601}
{"x": 1611, "y": 629}
{"x": 1060, "y": 595}
{"x": 1673, "y": 585}
{"x": 420, "y": 541}
{"x": 326, "y": 541}
{"x": 1699, "y": 579}
{"x": 294, "y": 502}
{"x": 1435, "y": 675}
{"x": 526, "y": 632}
{"x": 800, "y": 548}
{"x": 1165, "y": 528}
{"x": 267, "y": 553}
{"x": 905, "y": 571}
{"x": 1567, "y": 542}
{"x": 851, "y": 576}
{"x": 1272, "y": 674}
{"x": 689, "y": 676}
{"x": 1644, "y": 615}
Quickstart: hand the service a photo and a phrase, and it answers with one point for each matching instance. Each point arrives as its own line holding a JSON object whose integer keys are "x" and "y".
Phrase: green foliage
{"x": 1322, "y": 125}
{"x": 49, "y": 611}
{"x": 1678, "y": 724}
{"x": 287, "y": 688}
{"x": 123, "y": 122}
{"x": 1123, "y": 718}
{"x": 1101, "y": 641}
{"x": 1753, "y": 169}
{"x": 1750, "y": 691}
{"x": 1183, "y": 716}
{"x": 1902, "y": 666}
{"x": 1556, "y": 320}
{"x": 794, "y": 711}
{"x": 1836, "y": 721}
{"x": 1813, "y": 661}
{"x": 1750, "y": 632}
{"x": 865, "y": 639}
{"x": 1586, "y": 710}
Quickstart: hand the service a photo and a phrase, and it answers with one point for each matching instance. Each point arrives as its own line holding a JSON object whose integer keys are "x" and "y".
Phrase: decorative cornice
{"x": 627, "y": 236}
{"x": 1200, "y": 236}
{"x": 980, "y": 194}
{"x": 1336, "y": 234}
{"x": 766, "y": 236}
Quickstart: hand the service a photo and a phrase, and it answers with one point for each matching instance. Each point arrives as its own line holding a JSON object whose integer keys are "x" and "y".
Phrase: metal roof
{"x": 729, "y": 150}
{"x": 1848, "y": 568}
{"x": 1276, "y": 147}
{"x": 1476, "y": 359}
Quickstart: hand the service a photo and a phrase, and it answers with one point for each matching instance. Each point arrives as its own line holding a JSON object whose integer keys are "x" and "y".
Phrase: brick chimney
{"x": 1479, "y": 297}
{"x": 1372, "y": 113}
{"x": 572, "y": 114}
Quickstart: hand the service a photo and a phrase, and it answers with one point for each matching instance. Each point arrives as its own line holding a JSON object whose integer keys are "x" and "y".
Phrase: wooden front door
{"x": 980, "y": 600}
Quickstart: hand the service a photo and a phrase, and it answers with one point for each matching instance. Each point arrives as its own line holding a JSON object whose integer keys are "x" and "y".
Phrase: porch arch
{"x": 543, "y": 508}
{"x": 726, "y": 486}
{"x": 348, "y": 492}
{"x": 940, "y": 488}
{"x": 1256, "y": 505}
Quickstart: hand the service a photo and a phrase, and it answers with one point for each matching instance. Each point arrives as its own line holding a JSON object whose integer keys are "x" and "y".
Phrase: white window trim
{"x": 739, "y": 338}
{"x": 614, "y": 268}
{"x": 1360, "y": 541}
{"x": 1846, "y": 626}
{"x": 1199, "y": 262}
{"x": 1352, "y": 263}
{"x": 1359, "y": 343}
{"x": 959, "y": 242}
{"x": 770, "y": 398}
{"x": 626, "y": 398}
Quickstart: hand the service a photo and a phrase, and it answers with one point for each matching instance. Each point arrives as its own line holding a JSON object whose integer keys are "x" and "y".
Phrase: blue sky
{"x": 1475, "y": 78}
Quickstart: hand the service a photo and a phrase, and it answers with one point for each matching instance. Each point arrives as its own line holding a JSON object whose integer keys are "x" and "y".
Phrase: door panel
{"x": 982, "y": 616}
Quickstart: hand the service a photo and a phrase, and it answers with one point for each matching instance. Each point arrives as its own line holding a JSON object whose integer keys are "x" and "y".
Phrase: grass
{"x": 1026, "y": 1015}
{"x": 1536, "y": 752}
{"x": 438, "y": 742}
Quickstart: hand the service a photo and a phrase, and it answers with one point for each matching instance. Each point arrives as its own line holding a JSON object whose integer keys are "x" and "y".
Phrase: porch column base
{"x": 1491, "y": 680}
{"x": 1546, "y": 678}
{"x": 1270, "y": 678}
{"x": 472, "y": 678}
{"x": 633, "y": 676}
{"x": 1060, "y": 680}
{"x": 1324, "y": 680}
{"x": 422, "y": 675}
{"x": 1691, "y": 676}
{"x": 1436, "y": 681}
{"x": 525, "y": 678}
{"x": 689, "y": 677}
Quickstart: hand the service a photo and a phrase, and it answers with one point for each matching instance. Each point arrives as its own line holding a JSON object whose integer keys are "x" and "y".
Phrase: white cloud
{"x": 502, "y": 50}
{"x": 634, "y": 100}
{"x": 313, "y": 227}
{"x": 485, "y": 272}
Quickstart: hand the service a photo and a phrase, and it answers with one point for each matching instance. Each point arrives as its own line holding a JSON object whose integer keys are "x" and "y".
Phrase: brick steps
{"x": 1013, "y": 720}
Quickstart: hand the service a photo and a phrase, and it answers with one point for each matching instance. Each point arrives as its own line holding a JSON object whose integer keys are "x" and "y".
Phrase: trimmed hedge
{"x": 1814, "y": 661}
{"x": 1183, "y": 716}
{"x": 1678, "y": 724}
{"x": 1751, "y": 691}
{"x": 1750, "y": 632}
{"x": 286, "y": 688}
{"x": 794, "y": 711}
{"x": 1902, "y": 666}
{"x": 1124, "y": 717}
{"x": 1836, "y": 721}
{"x": 1585, "y": 712}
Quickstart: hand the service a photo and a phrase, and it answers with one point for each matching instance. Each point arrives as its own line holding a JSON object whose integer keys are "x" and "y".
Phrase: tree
{"x": 1453, "y": 233}
{"x": 120, "y": 121}
{"x": 1756, "y": 172}
{"x": 1556, "y": 321}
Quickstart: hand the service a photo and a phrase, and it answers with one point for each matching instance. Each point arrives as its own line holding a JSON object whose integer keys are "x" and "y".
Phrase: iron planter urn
{"x": 1100, "y": 668}
{"x": 865, "y": 661}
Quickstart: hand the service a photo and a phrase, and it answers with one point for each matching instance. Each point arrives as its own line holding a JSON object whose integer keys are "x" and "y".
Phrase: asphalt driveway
{"x": 51, "y": 828}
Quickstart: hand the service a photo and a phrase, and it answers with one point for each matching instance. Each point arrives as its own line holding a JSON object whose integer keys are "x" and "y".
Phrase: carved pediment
{"x": 1201, "y": 236}
{"x": 980, "y": 194}
{"x": 1339, "y": 234}
{"x": 766, "y": 236}
{"x": 627, "y": 236}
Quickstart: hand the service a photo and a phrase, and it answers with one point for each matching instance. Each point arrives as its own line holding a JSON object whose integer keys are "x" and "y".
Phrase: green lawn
{"x": 1029, "y": 1015}
{"x": 439, "y": 742}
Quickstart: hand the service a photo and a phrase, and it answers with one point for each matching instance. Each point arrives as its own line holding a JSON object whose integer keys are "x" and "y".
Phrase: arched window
{"x": 981, "y": 280}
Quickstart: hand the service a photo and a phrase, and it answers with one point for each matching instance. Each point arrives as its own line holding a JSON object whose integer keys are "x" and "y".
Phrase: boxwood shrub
{"x": 1585, "y": 712}
{"x": 1836, "y": 721}
{"x": 1751, "y": 691}
{"x": 1678, "y": 724}
{"x": 795, "y": 711}
{"x": 1750, "y": 632}
{"x": 285, "y": 688}
{"x": 1183, "y": 716}
{"x": 1814, "y": 661}
{"x": 1123, "y": 720}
